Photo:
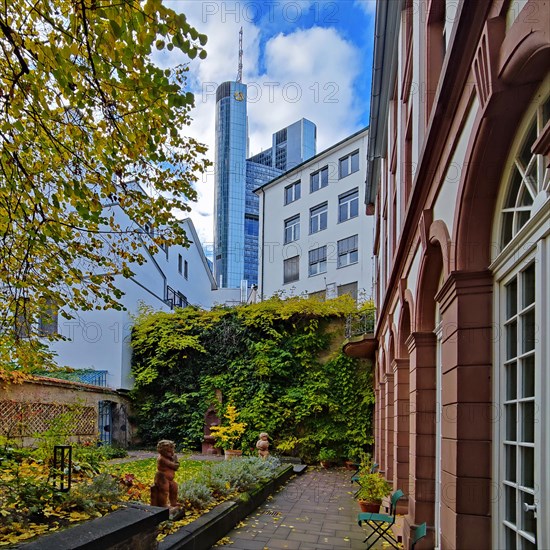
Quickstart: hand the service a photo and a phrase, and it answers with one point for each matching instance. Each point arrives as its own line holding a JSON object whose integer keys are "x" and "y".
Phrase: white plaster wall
{"x": 228, "y": 296}
{"x": 451, "y": 11}
{"x": 198, "y": 286}
{"x": 445, "y": 204}
{"x": 412, "y": 275}
{"x": 418, "y": 85}
{"x": 396, "y": 315}
{"x": 273, "y": 214}
{"x": 400, "y": 129}
{"x": 94, "y": 341}
{"x": 100, "y": 339}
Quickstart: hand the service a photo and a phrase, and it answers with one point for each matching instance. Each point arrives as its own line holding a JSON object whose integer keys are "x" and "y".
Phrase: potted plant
{"x": 228, "y": 436}
{"x": 327, "y": 457}
{"x": 354, "y": 457}
{"x": 373, "y": 488}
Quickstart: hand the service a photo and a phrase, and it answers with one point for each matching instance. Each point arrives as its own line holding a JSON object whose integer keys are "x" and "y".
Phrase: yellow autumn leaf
{"x": 78, "y": 516}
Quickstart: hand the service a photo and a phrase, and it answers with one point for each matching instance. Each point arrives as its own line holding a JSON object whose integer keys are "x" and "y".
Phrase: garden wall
{"x": 30, "y": 408}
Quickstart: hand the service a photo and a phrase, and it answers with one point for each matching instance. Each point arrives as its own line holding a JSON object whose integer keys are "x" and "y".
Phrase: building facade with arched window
{"x": 458, "y": 170}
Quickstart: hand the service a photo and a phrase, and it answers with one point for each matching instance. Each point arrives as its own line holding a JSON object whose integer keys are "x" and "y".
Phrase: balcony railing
{"x": 86, "y": 376}
{"x": 359, "y": 324}
{"x": 96, "y": 378}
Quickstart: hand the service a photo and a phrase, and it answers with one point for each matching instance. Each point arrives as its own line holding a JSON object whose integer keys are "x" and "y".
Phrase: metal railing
{"x": 85, "y": 376}
{"x": 360, "y": 323}
{"x": 96, "y": 378}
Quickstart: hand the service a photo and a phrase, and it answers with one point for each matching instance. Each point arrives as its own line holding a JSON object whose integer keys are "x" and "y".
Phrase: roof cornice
{"x": 384, "y": 70}
{"x": 297, "y": 168}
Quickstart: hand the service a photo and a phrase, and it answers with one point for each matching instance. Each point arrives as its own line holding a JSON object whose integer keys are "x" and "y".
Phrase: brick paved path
{"x": 314, "y": 511}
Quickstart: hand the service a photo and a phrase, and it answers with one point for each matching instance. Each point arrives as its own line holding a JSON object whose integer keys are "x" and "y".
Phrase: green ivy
{"x": 279, "y": 361}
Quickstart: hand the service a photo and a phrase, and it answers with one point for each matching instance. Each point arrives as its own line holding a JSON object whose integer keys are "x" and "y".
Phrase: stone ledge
{"x": 202, "y": 533}
{"x": 103, "y": 533}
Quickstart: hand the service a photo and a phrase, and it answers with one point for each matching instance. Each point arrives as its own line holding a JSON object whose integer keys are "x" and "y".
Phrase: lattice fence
{"x": 20, "y": 419}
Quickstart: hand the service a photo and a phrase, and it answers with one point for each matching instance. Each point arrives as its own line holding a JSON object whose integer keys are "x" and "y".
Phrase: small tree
{"x": 228, "y": 436}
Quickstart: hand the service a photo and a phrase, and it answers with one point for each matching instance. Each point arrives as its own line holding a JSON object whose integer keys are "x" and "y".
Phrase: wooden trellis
{"x": 22, "y": 418}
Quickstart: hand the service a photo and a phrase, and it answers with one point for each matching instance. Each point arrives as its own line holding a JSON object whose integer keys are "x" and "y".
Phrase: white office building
{"x": 99, "y": 340}
{"x": 315, "y": 237}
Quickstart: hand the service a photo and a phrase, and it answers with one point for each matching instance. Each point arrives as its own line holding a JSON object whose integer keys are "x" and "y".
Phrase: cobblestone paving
{"x": 315, "y": 511}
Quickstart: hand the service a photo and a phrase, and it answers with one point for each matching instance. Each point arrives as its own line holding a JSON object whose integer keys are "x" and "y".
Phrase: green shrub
{"x": 112, "y": 451}
{"x": 103, "y": 488}
{"x": 195, "y": 493}
{"x": 224, "y": 478}
{"x": 327, "y": 455}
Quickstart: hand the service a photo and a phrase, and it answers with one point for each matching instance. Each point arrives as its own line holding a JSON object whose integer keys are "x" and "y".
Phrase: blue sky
{"x": 302, "y": 58}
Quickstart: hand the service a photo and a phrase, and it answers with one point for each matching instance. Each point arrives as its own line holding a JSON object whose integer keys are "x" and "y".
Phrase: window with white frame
{"x": 185, "y": 269}
{"x": 291, "y": 269}
{"x": 317, "y": 261}
{"x": 529, "y": 177}
{"x": 318, "y": 179}
{"x": 348, "y": 205}
{"x": 518, "y": 357}
{"x": 292, "y": 229}
{"x": 522, "y": 302}
{"x": 348, "y": 165}
{"x": 318, "y": 218}
{"x": 293, "y": 192}
{"x": 180, "y": 264}
{"x": 348, "y": 252}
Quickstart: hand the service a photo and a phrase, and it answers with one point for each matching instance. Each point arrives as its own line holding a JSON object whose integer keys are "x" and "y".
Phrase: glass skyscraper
{"x": 290, "y": 146}
{"x": 235, "y": 204}
{"x": 230, "y": 175}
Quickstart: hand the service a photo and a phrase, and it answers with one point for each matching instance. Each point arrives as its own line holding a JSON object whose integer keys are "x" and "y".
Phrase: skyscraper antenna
{"x": 240, "y": 71}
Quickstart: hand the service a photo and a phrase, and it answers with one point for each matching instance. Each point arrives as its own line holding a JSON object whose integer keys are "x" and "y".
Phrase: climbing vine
{"x": 280, "y": 362}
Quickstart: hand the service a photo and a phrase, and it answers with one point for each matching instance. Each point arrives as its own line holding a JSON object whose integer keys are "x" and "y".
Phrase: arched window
{"x": 521, "y": 305}
{"x": 528, "y": 178}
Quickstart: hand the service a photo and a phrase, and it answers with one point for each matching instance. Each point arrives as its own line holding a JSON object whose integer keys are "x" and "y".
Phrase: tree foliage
{"x": 89, "y": 126}
{"x": 279, "y": 362}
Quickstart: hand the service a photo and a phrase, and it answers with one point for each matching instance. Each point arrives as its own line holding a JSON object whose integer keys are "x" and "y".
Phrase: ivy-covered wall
{"x": 279, "y": 362}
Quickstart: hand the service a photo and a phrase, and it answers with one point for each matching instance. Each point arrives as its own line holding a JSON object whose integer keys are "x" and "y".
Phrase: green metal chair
{"x": 381, "y": 523}
{"x": 419, "y": 533}
{"x": 355, "y": 475}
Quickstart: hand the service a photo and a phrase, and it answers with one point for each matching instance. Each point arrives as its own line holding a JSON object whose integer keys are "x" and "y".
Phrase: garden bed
{"x": 135, "y": 526}
{"x": 31, "y": 506}
{"x": 213, "y": 525}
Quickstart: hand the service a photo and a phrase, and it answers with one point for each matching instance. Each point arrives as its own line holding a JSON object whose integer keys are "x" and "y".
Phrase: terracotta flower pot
{"x": 368, "y": 506}
{"x": 229, "y": 454}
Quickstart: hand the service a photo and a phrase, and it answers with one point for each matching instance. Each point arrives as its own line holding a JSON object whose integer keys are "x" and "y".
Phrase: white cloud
{"x": 368, "y": 6}
{"x": 307, "y": 73}
{"x": 314, "y": 71}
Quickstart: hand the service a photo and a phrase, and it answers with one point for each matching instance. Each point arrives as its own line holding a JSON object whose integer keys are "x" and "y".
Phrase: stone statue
{"x": 263, "y": 445}
{"x": 165, "y": 490}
